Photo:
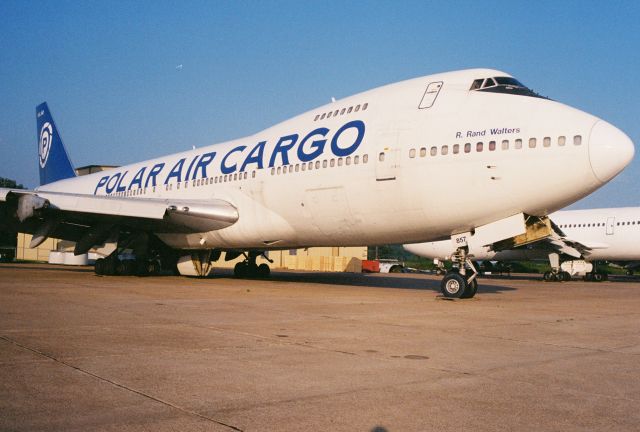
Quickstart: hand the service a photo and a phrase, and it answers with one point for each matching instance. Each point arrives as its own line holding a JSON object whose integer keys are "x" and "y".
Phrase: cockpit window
{"x": 489, "y": 82}
{"x": 507, "y": 85}
{"x": 508, "y": 81}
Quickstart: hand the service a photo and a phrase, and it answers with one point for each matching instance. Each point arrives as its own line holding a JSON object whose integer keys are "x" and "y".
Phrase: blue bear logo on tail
{"x": 52, "y": 156}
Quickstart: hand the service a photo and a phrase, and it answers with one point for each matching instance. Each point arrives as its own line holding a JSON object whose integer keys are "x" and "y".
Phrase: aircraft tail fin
{"x": 53, "y": 159}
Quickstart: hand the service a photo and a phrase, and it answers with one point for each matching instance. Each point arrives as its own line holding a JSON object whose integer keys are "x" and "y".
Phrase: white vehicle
{"x": 579, "y": 237}
{"x": 428, "y": 158}
{"x": 390, "y": 266}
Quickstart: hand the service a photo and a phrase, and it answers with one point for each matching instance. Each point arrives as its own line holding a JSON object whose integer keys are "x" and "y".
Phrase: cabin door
{"x": 610, "y": 223}
{"x": 387, "y": 163}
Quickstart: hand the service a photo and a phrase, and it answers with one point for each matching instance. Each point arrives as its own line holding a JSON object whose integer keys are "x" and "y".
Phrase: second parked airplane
{"x": 579, "y": 238}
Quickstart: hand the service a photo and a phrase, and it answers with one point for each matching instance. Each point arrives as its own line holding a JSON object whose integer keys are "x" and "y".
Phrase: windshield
{"x": 507, "y": 85}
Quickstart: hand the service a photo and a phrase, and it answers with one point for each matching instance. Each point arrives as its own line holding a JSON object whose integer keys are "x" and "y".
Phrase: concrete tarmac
{"x": 314, "y": 352}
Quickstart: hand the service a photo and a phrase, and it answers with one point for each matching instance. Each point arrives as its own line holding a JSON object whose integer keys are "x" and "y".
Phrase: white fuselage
{"x": 611, "y": 234}
{"x": 377, "y": 174}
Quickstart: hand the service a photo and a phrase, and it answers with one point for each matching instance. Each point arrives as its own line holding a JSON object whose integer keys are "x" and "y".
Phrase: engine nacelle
{"x": 577, "y": 267}
{"x": 197, "y": 264}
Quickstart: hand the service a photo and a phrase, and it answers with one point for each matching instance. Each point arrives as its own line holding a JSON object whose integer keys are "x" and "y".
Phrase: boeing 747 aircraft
{"x": 579, "y": 238}
{"x": 440, "y": 156}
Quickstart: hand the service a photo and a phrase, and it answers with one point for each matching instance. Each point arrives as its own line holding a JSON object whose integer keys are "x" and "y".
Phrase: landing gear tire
{"x": 263, "y": 271}
{"x": 565, "y": 276}
{"x": 453, "y": 285}
{"x": 241, "y": 270}
{"x": 549, "y": 276}
{"x": 109, "y": 266}
{"x": 126, "y": 268}
{"x": 598, "y": 277}
{"x": 153, "y": 268}
{"x": 99, "y": 266}
{"x": 472, "y": 289}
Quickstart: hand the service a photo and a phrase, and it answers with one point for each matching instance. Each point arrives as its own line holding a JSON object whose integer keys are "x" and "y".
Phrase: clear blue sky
{"x": 108, "y": 69}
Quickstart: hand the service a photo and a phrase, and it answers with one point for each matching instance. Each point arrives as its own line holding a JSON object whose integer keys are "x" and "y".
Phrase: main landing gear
{"x": 457, "y": 284}
{"x": 556, "y": 274}
{"x": 250, "y": 269}
{"x": 553, "y": 276}
{"x": 575, "y": 267}
{"x": 149, "y": 257}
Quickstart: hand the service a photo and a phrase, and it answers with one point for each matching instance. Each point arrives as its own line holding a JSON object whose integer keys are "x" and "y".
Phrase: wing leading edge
{"x": 88, "y": 219}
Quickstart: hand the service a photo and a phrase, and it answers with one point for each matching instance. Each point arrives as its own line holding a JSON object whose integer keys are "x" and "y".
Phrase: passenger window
{"x": 412, "y": 153}
{"x": 518, "y": 144}
{"x": 324, "y": 163}
{"x": 297, "y": 167}
{"x": 532, "y": 143}
{"x": 434, "y": 151}
{"x": 546, "y": 142}
{"x": 279, "y": 171}
{"x": 235, "y": 176}
{"x": 329, "y": 114}
{"x": 467, "y": 147}
{"x": 323, "y": 116}
{"x": 253, "y": 174}
{"x": 444, "y": 150}
{"x": 561, "y": 141}
{"x": 339, "y": 161}
{"x": 349, "y": 110}
{"x": 310, "y": 166}
{"x": 332, "y": 163}
{"x": 479, "y": 147}
{"x": 365, "y": 106}
{"x": 456, "y": 148}
{"x": 348, "y": 160}
{"x": 381, "y": 157}
{"x": 317, "y": 164}
{"x": 303, "y": 167}
{"x": 365, "y": 158}
{"x": 492, "y": 145}
{"x": 423, "y": 151}
{"x": 357, "y": 108}
{"x": 505, "y": 144}
{"x": 335, "y": 113}
{"x": 356, "y": 159}
{"x": 317, "y": 117}
{"x": 342, "y": 111}
{"x": 577, "y": 140}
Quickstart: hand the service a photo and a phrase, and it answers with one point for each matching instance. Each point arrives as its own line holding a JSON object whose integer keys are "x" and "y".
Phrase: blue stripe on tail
{"x": 53, "y": 159}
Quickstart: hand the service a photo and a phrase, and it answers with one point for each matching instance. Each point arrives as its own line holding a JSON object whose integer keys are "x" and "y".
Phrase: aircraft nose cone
{"x": 610, "y": 150}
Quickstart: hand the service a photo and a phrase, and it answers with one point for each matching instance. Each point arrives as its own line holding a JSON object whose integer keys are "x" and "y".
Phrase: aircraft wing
{"x": 89, "y": 218}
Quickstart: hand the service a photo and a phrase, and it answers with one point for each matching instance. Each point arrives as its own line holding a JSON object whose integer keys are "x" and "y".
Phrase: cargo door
{"x": 328, "y": 211}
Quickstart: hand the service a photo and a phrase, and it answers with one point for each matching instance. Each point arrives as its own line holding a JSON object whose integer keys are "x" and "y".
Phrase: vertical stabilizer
{"x": 53, "y": 159}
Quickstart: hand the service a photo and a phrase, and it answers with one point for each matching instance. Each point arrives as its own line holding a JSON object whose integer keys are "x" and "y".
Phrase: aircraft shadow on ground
{"x": 364, "y": 280}
{"x": 43, "y": 267}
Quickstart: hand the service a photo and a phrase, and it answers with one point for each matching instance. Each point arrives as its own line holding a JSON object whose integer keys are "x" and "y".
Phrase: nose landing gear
{"x": 457, "y": 284}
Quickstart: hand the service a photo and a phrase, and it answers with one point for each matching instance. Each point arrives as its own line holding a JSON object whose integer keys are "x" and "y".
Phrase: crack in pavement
{"x": 120, "y": 386}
